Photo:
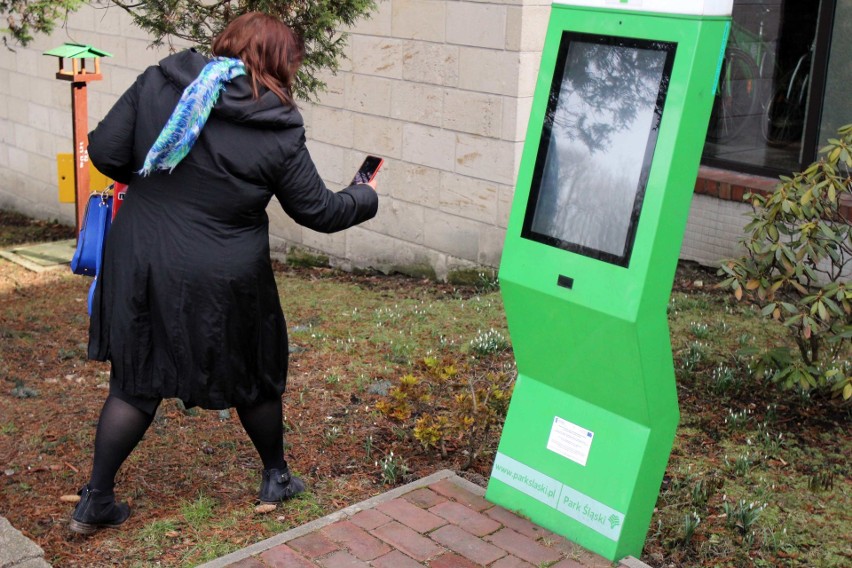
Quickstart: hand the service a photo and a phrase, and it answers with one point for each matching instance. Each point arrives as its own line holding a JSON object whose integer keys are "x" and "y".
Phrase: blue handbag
{"x": 89, "y": 254}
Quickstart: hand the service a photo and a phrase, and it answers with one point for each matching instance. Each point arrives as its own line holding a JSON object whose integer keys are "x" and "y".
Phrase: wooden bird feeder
{"x": 77, "y": 54}
{"x": 79, "y": 76}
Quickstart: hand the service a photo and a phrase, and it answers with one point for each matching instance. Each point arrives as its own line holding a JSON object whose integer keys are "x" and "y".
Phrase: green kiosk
{"x": 616, "y": 130}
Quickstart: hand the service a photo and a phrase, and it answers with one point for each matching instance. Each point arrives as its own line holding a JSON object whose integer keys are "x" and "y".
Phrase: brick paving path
{"x": 442, "y": 521}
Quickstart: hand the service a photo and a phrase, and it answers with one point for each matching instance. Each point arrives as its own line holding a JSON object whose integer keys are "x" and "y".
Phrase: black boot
{"x": 97, "y": 509}
{"x": 278, "y": 485}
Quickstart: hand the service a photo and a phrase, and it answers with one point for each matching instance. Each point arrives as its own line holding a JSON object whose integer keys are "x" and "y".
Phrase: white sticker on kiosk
{"x": 569, "y": 440}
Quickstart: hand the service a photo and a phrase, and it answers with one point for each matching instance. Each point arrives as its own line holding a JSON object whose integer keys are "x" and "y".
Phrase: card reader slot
{"x": 565, "y": 282}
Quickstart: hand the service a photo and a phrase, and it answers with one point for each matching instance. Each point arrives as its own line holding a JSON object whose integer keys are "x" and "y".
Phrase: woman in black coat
{"x": 186, "y": 305}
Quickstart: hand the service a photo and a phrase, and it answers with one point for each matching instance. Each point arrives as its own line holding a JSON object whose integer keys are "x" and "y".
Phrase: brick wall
{"x": 718, "y": 214}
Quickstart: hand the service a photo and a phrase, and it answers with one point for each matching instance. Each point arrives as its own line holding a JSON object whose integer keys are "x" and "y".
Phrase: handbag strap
{"x": 104, "y": 215}
{"x": 103, "y": 219}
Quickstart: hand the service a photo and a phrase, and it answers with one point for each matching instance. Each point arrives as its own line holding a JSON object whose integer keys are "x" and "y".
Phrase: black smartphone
{"x": 368, "y": 170}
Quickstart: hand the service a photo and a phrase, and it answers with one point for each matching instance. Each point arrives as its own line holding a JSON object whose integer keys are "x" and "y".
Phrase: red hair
{"x": 270, "y": 50}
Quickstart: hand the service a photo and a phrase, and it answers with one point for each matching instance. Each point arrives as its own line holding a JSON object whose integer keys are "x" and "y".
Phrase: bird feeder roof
{"x": 76, "y": 51}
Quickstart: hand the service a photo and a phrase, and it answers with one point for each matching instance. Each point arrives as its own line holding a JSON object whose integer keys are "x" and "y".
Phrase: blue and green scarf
{"x": 191, "y": 113}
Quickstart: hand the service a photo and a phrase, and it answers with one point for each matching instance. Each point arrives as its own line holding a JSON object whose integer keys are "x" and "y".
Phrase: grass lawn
{"x": 757, "y": 477}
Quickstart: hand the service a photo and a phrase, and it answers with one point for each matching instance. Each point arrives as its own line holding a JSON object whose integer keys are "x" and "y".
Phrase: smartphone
{"x": 368, "y": 170}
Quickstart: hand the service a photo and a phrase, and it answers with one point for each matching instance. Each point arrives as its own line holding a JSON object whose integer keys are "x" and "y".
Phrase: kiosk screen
{"x": 597, "y": 143}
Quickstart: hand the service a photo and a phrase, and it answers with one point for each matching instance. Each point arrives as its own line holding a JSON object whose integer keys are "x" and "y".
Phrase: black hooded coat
{"x": 186, "y": 305}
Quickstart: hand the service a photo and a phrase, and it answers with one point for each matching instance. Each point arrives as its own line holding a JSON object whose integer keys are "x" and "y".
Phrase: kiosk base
{"x": 544, "y": 468}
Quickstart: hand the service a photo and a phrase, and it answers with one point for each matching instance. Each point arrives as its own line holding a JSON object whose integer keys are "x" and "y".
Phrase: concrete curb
{"x": 632, "y": 562}
{"x": 17, "y": 551}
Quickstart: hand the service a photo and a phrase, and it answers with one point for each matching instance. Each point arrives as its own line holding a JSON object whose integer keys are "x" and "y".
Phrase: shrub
{"x": 798, "y": 256}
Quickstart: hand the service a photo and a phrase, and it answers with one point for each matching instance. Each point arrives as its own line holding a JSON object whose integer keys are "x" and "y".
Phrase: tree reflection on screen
{"x": 606, "y": 107}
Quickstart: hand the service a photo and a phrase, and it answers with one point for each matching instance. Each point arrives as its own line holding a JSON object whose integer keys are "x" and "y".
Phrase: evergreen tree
{"x": 199, "y": 21}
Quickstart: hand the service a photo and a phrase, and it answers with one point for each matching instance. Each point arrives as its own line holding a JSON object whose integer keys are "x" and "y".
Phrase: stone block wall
{"x": 718, "y": 214}
{"x": 35, "y": 107}
{"x": 442, "y": 89}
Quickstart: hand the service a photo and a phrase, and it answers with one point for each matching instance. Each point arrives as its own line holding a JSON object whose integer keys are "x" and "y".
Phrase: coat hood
{"x": 236, "y": 103}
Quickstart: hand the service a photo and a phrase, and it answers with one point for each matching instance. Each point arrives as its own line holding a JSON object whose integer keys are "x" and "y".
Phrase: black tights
{"x": 263, "y": 424}
{"x": 120, "y": 428}
{"x": 122, "y": 425}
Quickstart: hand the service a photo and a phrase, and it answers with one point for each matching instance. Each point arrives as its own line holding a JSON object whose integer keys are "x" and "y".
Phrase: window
{"x": 768, "y": 107}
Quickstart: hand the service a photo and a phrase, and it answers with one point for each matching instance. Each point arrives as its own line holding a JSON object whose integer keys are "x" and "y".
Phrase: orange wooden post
{"x": 79, "y": 77}
{"x": 80, "y": 120}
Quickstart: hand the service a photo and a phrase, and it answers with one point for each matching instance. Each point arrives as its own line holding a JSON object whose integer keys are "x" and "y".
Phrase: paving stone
{"x": 396, "y": 559}
{"x": 342, "y": 559}
{"x": 562, "y": 544}
{"x": 313, "y": 545}
{"x": 516, "y": 522}
{"x": 452, "y": 560}
{"x": 369, "y": 519}
{"x": 579, "y": 554}
{"x": 282, "y": 556}
{"x": 407, "y": 541}
{"x": 359, "y": 542}
{"x": 568, "y": 563}
{"x": 449, "y": 489}
{"x": 424, "y": 497}
{"x": 410, "y": 515}
{"x": 511, "y": 562}
{"x": 523, "y": 546}
{"x": 469, "y": 546}
{"x": 250, "y": 562}
{"x": 465, "y": 517}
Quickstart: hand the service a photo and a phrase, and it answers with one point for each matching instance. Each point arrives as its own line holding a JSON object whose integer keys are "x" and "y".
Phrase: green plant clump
{"x": 488, "y": 343}
{"x": 443, "y": 408}
{"x": 796, "y": 267}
